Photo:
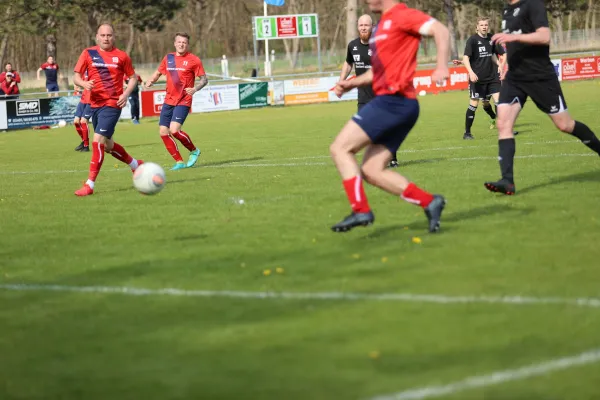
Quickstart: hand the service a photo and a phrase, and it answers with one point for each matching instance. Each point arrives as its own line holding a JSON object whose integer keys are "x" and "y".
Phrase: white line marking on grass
{"x": 495, "y": 378}
{"x": 398, "y": 297}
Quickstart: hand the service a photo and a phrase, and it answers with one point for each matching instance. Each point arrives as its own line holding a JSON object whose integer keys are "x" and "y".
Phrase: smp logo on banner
{"x": 28, "y": 107}
{"x": 216, "y": 98}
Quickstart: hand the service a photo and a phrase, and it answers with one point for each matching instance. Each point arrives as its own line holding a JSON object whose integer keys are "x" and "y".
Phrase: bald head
{"x": 105, "y": 37}
{"x": 365, "y": 25}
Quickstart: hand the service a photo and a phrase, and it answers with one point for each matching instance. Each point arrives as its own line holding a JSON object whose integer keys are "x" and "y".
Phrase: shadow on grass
{"x": 474, "y": 213}
{"x": 590, "y": 176}
{"x": 141, "y": 144}
{"x": 226, "y": 162}
{"x": 417, "y": 162}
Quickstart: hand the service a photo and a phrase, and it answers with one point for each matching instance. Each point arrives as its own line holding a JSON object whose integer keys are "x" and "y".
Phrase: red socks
{"x": 79, "y": 131}
{"x": 120, "y": 154}
{"x": 417, "y": 196}
{"x": 171, "y": 146}
{"x": 96, "y": 162}
{"x": 85, "y": 134}
{"x": 356, "y": 194}
{"x": 185, "y": 140}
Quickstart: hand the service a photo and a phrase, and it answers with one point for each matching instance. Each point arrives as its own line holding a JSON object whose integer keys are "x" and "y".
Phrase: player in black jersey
{"x": 484, "y": 73}
{"x": 359, "y": 56}
{"x": 530, "y": 73}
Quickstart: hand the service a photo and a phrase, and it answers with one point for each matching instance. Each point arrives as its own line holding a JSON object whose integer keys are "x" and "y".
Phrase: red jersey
{"x": 181, "y": 71}
{"x": 394, "y": 45}
{"x": 106, "y": 69}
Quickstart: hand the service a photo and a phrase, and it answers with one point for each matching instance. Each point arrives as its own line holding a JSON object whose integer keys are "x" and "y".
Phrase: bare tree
{"x": 351, "y": 20}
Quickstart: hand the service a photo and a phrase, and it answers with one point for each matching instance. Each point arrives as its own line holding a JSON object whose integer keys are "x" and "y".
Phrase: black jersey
{"x": 359, "y": 55}
{"x": 480, "y": 51}
{"x": 526, "y": 61}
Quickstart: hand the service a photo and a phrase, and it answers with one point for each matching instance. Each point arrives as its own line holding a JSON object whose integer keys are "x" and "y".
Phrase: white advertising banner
{"x": 3, "y": 117}
{"x": 216, "y": 98}
{"x": 558, "y": 68}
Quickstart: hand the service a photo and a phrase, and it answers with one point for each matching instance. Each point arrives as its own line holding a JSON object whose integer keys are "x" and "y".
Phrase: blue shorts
{"x": 52, "y": 87}
{"x": 388, "y": 119}
{"x": 173, "y": 113}
{"x": 83, "y": 111}
{"x": 105, "y": 120}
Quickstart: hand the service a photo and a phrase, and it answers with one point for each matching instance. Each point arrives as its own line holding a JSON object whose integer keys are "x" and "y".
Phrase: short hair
{"x": 8, "y": 63}
{"x": 182, "y": 34}
{"x": 107, "y": 24}
{"x": 479, "y": 19}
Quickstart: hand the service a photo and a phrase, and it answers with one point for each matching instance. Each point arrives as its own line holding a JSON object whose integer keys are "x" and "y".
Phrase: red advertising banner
{"x": 152, "y": 101}
{"x": 287, "y": 26}
{"x": 458, "y": 80}
{"x": 580, "y": 68}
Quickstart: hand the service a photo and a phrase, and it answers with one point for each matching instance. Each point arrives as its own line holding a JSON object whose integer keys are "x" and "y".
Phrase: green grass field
{"x": 58, "y": 341}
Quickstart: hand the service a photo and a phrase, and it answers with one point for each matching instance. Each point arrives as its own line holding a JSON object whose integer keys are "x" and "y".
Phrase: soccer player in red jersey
{"x": 383, "y": 124}
{"x": 105, "y": 66}
{"x": 181, "y": 69}
{"x": 83, "y": 113}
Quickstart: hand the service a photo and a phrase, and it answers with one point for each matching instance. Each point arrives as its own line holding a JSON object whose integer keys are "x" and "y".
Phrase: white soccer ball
{"x": 149, "y": 178}
{"x": 422, "y": 93}
{"x": 62, "y": 123}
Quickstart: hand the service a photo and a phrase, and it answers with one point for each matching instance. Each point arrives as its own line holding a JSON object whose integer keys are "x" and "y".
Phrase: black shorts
{"x": 483, "y": 90}
{"x": 546, "y": 94}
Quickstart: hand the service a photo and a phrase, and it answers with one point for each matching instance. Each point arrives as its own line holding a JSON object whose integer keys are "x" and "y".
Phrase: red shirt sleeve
{"x": 128, "y": 66}
{"x": 44, "y": 65}
{"x": 16, "y": 77}
{"x": 199, "y": 69}
{"x": 412, "y": 20}
{"x": 2, "y": 77}
{"x": 162, "y": 68}
{"x": 83, "y": 63}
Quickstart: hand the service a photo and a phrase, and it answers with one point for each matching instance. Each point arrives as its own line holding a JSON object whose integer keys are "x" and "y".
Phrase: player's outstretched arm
{"x": 541, "y": 37}
{"x": 38, "y": 73}
{"x": 153, "y": 79}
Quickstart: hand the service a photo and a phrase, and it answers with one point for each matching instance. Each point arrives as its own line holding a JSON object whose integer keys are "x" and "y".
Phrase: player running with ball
{"x": 105, "y": 66}
{"x": 383, "y": 124}
{"x": 181, "y": 69}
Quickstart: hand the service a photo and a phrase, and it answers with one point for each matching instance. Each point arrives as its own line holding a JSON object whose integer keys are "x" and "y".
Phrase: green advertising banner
{"x": 253, "y": 94}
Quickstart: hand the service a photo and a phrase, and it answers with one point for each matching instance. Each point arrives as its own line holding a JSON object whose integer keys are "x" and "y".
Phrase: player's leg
{"x": 166, "y": 115}
{"x": 351, "y": 139}
{"x": 549, "y": 98}
{"x": 77, "y": 124}
{"x": 511, "y": 101}
{"x": 84, "y": 126}
{"x": 105, "y": 120}
{"x": 470, "y": 114}
{"x": 179, "y": 115}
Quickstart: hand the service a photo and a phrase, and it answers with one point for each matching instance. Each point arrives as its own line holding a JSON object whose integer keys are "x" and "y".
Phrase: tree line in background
{"x": 31, "y": 30}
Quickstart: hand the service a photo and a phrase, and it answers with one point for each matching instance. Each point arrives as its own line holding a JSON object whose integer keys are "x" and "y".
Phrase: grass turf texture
{"x": 196, "y": 235}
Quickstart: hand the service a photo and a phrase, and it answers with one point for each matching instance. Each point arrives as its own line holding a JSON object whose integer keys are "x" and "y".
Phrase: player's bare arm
{"x": 346, "y": 85}
{"x": 130, "y": 87}
{"x": 441, "y": 36}
{"x": 155, "y": 76}
{"x": 467, "y": 63}
{"x": 346, "y": 69}
{"x": 203, "y": 82}
{"x": 79, "y": 81}
{"x": 540, "y": 37}
{"x": 38, "y": 73}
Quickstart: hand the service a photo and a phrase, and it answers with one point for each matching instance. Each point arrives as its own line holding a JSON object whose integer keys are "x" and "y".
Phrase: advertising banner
{"x": 36, "y": 112}
{"x": 558, "y": 68}
{"x": 580, "y": 68}
{"x": 276, "y": 93}
{"x": 306, "y": 91}
{"x": 216, "y": 98}
{"x": 459, "y": 80}
{"x": 152, "y": 101}
{"x": 3, "y": 121}
{"x": 253, "y": 94}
